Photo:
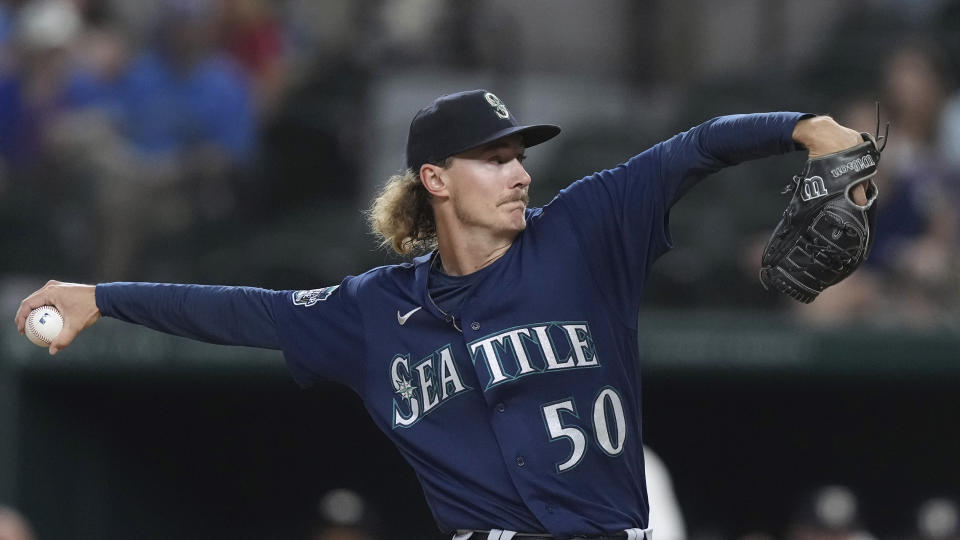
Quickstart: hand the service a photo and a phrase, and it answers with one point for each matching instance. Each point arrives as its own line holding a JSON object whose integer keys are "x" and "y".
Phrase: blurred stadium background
{"x": 237, "y": 141}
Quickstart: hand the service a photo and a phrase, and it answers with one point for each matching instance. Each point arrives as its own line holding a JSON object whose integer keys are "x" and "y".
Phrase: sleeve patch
{"x": 311, "y": 297}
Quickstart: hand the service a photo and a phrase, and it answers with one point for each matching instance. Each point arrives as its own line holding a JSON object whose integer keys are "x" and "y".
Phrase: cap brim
{"x": 532, "y": 135}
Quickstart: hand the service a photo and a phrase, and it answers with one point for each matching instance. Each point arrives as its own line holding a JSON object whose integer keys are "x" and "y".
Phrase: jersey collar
{"x": 422, "y": 265}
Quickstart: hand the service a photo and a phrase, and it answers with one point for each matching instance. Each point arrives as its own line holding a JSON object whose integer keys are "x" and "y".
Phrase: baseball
{"x": 44, "y": 325}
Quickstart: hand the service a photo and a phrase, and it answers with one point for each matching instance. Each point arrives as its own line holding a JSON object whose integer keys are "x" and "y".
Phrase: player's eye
{"x": 505, "y": 157}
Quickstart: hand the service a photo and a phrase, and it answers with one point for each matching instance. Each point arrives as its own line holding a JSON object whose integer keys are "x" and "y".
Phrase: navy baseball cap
{"x": 458, "y": 122}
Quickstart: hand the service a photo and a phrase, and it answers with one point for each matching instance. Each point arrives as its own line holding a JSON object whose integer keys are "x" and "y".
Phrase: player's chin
{"x": 517, "y": 218}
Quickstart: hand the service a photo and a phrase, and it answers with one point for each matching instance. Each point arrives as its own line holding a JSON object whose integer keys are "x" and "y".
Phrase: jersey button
{"x": 474, "y": 326}
{"x": 520, "y": 461}
{"x": 501, "y": 407}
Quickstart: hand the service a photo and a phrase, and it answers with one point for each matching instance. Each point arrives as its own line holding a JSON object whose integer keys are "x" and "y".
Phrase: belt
{"x": 499, "y": 534}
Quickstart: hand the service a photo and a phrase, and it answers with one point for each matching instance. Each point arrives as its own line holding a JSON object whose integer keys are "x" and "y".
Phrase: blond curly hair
{"x": 402, "y": 217}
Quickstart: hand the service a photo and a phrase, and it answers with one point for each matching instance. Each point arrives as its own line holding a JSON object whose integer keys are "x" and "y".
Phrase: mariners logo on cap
{"x": 497, "y": 105}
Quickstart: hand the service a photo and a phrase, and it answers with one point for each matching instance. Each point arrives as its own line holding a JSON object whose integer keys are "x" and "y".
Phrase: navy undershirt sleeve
{"x": 321, "y": 339}
{"x": 621, "y": 215}
{"x": 721, "y": 142}
{"x": 211, "y": 313}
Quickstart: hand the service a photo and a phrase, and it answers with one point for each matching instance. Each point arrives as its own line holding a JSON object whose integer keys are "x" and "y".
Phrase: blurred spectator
{"x": 37, "y": 88}
{"x": 14, "y": 526}
{"x": 829, "y": 513}
{"x": 345, "y": 515}
{"x": 916, "y": 249}
{"x": 6, "y": 23}
{"x": 938, "y": 519}
{"x": 410, "y": 29}
{"x": 164, "y": 137}
{"x": 950, "y": 131}
{"x": 181, "y": 95}
{"x": 947, "y": 26}
{"x": 33, "y": 89}
{"x": 911, "y": 276}
{"x": 323, "y": 122}
{"x": 254, "y": 37}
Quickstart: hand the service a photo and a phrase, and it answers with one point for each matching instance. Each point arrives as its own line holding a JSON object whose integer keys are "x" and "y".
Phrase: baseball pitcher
{"x": 502, "y": 360}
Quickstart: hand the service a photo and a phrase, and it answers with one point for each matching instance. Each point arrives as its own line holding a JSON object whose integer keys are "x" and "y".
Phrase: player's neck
{"x": 465, "y": 253}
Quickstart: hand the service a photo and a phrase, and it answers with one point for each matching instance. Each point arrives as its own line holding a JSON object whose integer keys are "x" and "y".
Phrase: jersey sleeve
{"x": 621, "y": 215}
{"x": 318, "y": 331}
{"x": 321, "y": 334}
{"x": 210, "y": 313}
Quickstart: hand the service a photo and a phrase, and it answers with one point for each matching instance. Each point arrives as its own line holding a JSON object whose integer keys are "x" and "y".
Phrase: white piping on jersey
{"x": 449, "y": 318}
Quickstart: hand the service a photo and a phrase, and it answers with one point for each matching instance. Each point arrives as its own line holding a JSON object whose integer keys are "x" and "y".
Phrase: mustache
{"x": 513, "y": 197}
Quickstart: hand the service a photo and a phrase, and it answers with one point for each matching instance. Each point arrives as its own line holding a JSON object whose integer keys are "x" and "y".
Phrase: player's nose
{"x": 520, "y": 177}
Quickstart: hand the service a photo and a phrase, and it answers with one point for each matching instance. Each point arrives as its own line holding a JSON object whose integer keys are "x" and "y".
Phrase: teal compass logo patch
{"x": 311, "y": 297}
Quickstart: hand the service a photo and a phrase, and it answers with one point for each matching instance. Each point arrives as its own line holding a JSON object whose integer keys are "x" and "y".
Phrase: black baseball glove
{"x": 824, "y": 235}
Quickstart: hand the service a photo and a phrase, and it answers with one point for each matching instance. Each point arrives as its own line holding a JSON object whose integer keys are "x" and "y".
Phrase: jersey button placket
{"x": 521, "y": 462}
{"x": 475, "y": 326}
{"x": 501, "y": 407}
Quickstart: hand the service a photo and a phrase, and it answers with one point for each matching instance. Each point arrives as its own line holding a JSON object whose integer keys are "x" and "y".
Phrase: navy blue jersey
{"x": 523, "y": 413}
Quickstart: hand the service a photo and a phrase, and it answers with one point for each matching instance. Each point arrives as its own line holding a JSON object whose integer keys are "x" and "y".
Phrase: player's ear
{"x": 434, "y": 179}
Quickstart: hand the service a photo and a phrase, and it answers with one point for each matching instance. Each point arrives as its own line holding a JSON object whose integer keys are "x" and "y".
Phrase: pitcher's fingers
{"x": 30, "y": 303}
{"x": 859, "y": 193}
{"x": 64, "y": 339}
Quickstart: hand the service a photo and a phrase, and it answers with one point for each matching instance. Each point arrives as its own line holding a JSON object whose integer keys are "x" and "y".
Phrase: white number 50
{"x": 611, "y": 444}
